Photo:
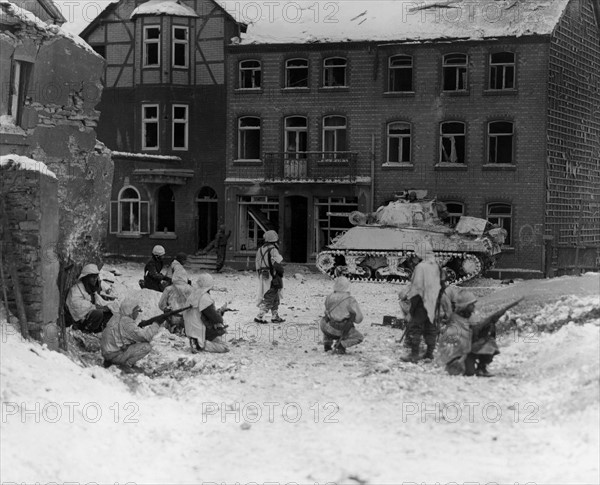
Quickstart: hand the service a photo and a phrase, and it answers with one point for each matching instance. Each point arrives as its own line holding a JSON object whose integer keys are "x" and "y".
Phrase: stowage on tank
{"x": 381, "y": 247}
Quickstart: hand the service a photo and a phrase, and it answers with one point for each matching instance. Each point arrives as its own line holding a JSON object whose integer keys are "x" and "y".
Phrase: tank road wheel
{"x": 450, "y": 275}
{"x": 326, "y": 262}
{"x": 471, "y": 266}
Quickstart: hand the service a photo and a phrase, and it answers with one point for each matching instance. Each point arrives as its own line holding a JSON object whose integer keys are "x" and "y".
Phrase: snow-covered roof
{"x": 392, "y": 20}
{"x": 18, "y": 162}
{"x": 164, "y": 7}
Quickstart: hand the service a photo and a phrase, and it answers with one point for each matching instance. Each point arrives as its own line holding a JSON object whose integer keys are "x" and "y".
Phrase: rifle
{"x": 482, "y": 329}
{"x": 161, "y": 318}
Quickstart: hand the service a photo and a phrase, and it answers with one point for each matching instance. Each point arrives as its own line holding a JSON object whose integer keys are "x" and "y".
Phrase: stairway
{"x": 198, "y": 264}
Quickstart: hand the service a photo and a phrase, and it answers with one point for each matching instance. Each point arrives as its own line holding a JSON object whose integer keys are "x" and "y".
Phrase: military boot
{"x": 429, "y": 353}
{"x": 414, "y": 354}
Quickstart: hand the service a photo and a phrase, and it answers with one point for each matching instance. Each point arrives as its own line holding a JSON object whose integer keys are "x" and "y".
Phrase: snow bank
{"x": 18, "y": 162}
{"x": 164, "y": 7}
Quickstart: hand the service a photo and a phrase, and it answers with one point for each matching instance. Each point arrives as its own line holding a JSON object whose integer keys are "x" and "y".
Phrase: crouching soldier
{"x": 88, "y": 310}
{"x": 174, "y": 297}
{"x": 341, "y": 313}
{"x": 204, "y": 322}
{"x": 123, "y": 342}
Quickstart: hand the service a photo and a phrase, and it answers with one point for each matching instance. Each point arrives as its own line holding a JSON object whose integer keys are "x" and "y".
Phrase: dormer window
{"x": 152, "y": 46}
{"x": 181, "y": 47}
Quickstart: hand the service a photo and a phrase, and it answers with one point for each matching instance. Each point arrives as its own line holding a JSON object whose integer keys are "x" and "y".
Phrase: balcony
{"x": 310, "y": 167}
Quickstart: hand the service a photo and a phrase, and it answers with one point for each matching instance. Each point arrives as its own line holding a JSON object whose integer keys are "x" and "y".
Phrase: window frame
{"x": 242, "y": 72}
{"x": 441, "y": 142}
{"x": 509, "y": 236}
{"x": 177, "y": 42}
{"x": 334, "y": 128}
{"x": 116, "y": 209}
{"x": 328, "y": 71}
{"x": 20, "y": 75}
{"x": 146, "y": 43}
{"x": 242, "y": 143}
{"x": 446, "y": 67}
{"x": 297, "y": 131}
{"x": 288, "y": 69}
{"x": 148, "y": 121}
{"x": 402, "y": 137}
{"x": 453, "y": 215}
{"x": 328, "y": 202}
{"x": 251, "y": 225}
{"x": 178, "y": 121}
{"x": 503, "y": 65}
{"x": 157, "y": 207}
{"x": 497, "y": 135}
{"x": 392, "y": 72}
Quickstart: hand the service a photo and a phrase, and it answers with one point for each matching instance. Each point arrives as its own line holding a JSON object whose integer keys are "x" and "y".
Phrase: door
{"x": 208, "y": 213}
{"x": 295, "y": 227}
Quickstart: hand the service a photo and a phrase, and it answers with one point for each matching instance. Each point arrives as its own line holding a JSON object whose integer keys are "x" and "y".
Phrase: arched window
{"x": 501, "y": 215}
{"x": 296, "y": 73}
{"x": 250, "y": 74}
{"x": 165, "y": 210}
{"x": 500, "y": 142}
{"x": 455, "y": 72}
{"x": 400, "y": 70}
{"x": 334, "y": 135}
{"x": 296, "y": 131}
{"x": 398, "y": 136}
{"x": 129, "y": 214}
{"x": 452, "y": 142}
{"x": 334, "y": 71}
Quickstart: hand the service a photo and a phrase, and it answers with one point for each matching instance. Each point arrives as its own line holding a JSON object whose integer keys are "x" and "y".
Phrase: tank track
{"x": 391, "y": 267}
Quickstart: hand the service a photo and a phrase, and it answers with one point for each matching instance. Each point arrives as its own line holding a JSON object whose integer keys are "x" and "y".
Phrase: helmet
{"x": 181, "y": 257}
{"x": 205, "y": 281}
{"x": 341, "y": 285}
{"x": 158, "y": 251}
{"x": 89, "y": 269}
{"x": 464, "y": 299}
{"x": 271, "y": 236}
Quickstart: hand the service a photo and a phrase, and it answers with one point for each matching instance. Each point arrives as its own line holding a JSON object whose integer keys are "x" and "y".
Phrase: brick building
{"x": 163, "y": 114}
{"x": 492, "y": 107}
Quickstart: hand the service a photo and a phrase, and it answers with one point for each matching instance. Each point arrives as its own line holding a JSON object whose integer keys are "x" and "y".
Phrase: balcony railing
{"x": 310, "y": 166}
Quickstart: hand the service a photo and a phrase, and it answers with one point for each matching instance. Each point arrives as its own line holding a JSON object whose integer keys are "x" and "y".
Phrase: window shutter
{"x": 144, "y": 217}
{"x": 114, "y": 217}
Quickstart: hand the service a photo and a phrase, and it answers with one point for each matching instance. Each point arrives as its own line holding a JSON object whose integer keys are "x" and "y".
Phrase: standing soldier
{"x": 270, "y": 281}
{"x": 220, "y": 244}
{"x": 423, "y": 294}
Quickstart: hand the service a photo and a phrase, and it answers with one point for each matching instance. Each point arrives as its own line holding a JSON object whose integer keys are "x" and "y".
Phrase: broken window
{"x": 334, "y": 136}
{"x": 249, "y": 138}
{"x": 165, "y": 210}
{"x": 500, "y": 141}
{"x": 180, "y": 126}
{"x": 454, "y": 210}
{"x": 502, "y": 70}
{"x": 501, "y": 215}
{"x": 18, "y": 90}
{"x": 455, "y": 72}
{"x": 452, "y": 144}
{"x": 257, "y": 215}
{"x": 129, "y": 214}
{"x": 152, "y": 46}
{"x": 331, "y": 218}
{"x": 400, "y": 73}
{"x": 150, "y": 127}
{"x": 296, "y": 73}
{"x": 334, "y": 72}
{"x": 398, "y": 135}
{"x": 181, "y": 47}
{"x": 250, "y": 74}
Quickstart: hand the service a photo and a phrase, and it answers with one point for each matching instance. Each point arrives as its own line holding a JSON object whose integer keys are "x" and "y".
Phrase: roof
{"x": 164, "y": 7}
{"x": 38, "y": 7}
{"x": 393, "y": 20}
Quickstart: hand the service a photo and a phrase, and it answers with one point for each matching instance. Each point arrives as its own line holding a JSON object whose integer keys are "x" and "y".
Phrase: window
{"x": 249, "y": 138}
{"x": 165, "y": 210}
{"x": 296, "y": 73}
{"x": 151, "y": 46}
{"x": 150, "y": 127}
{"x": 257, "y": 214}
{"x": 501, "y": 215}
{"x": 502, "y": 70}
{"x": 452, "y": 144}
{"x": 500, "y": 142}
{"x": 180, "y": 53}
{"x": 331, "y": 214}
{"x": 400, "y": 70}
{"x": 129, "y": 214}
{"x": 398, "y": 136}
{"x": 18, "y": 90}
{"x": 250, "y": 74}
{"x": 334, "y": 72}
{"x": 455, "y": 210}
{"x": 180, "y": 126}
{"x": 334, "y": 135}
{"x": 296, "y": 131}
{"x": 455, "y": 72}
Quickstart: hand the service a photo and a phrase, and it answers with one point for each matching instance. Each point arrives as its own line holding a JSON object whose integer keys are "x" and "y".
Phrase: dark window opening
{"x": 165, "y": 210}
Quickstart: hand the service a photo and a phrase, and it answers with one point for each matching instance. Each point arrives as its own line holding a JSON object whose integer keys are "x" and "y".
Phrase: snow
{"x": 7, "y": 125}
{"x": 365, "y": 417}
{"x": 164, "y": 7}
{"x": 306, "y": 21}
{"x": 142, "y": 156}
{"x": 19, "y": 162}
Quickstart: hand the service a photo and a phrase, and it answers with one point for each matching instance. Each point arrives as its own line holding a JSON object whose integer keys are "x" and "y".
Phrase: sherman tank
{"x": 381, "y": 247}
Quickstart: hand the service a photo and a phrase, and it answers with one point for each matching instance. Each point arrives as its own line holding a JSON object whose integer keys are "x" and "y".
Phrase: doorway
{"x": 296, "y": 230}
{"x": 208, "y": 214}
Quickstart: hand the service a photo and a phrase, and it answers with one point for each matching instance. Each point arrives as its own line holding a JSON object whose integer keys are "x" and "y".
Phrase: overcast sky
{"x": 79, "y": 13}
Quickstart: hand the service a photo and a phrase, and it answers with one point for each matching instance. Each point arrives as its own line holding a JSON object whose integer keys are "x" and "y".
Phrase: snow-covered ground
{"x": 276, "y": 408}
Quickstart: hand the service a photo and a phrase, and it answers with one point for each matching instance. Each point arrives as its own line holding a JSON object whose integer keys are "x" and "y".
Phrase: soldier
{"x": 88, "y": 310}
{"x": 270, "y": 281}
{"x": 154, "y": 279}
{"x": 219, "y": 243}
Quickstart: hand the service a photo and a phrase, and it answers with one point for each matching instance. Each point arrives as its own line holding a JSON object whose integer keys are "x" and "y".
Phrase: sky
{"x": 79, "y": 13}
